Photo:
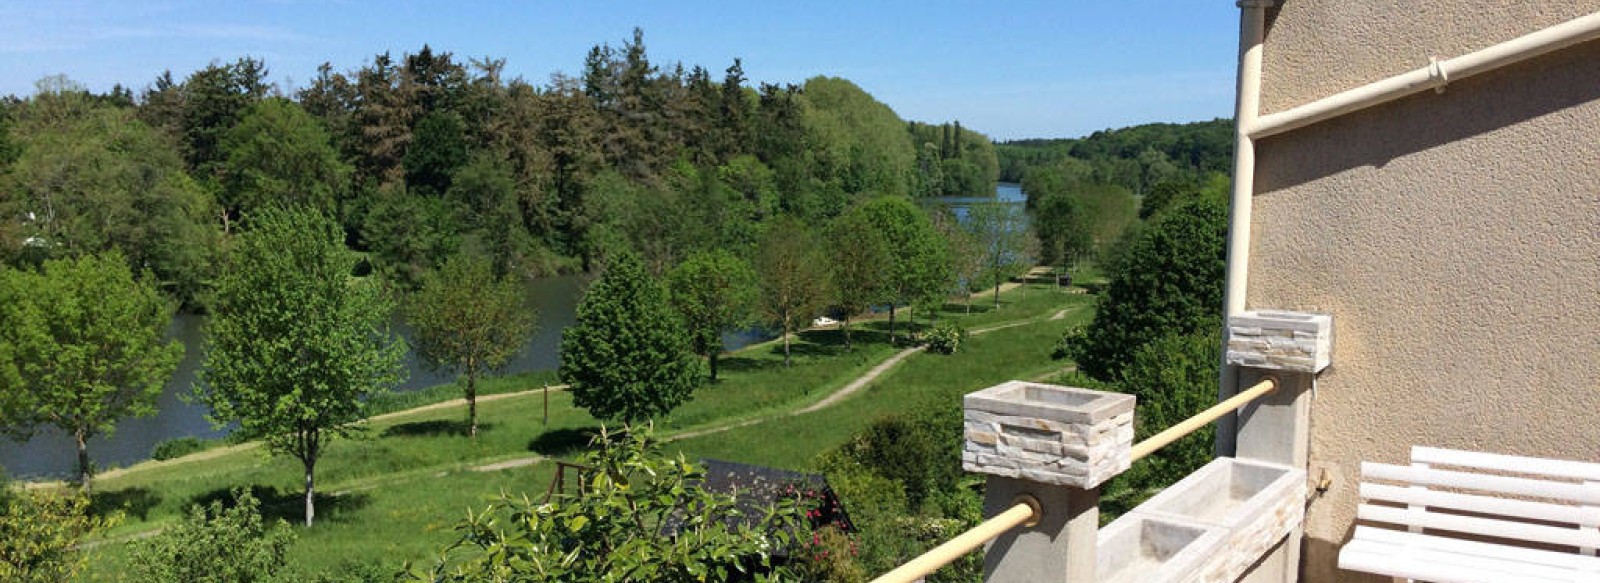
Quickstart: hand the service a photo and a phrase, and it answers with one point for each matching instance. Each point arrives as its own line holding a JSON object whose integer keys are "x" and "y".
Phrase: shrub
{"x": 215, "y": 544}
{"x": 946, "y": 338}
{"x": 40, "y": 531}
{"x": 616, "y": 530}
{"x": 177, "y": 447}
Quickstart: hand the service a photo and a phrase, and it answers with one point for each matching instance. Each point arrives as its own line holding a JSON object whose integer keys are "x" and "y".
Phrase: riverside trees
{"x": 470, "y": 322}
{"x": 294, "y": 345}
{"x": 81, "y": 348}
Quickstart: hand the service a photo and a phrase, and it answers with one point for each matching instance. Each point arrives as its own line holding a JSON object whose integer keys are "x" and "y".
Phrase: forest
{"x": 425, "y": 155}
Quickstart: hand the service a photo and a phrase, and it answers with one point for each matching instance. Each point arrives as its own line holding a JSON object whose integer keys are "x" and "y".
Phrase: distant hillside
{"x": 1136, "y": 157}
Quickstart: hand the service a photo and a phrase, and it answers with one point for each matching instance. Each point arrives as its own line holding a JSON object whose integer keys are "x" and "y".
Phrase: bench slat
{"x": 1578, "y": 493}
{"x": 1577, "y": 563}
{"x": 1481, "y": 526}
{"x": 1575, "y": 515}
{"x": 1555, "y": 468}
{"x": 1442, "y": 566}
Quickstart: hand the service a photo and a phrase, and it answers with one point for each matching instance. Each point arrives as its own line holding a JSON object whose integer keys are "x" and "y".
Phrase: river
{"x": 51, "y": 453}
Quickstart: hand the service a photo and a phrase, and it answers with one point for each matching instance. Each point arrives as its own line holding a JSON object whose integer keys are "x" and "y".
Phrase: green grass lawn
{"x": 396, "y": 495}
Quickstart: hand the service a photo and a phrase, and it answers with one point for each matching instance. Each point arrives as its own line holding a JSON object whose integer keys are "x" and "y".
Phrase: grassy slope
{"x": 397, "y": 495}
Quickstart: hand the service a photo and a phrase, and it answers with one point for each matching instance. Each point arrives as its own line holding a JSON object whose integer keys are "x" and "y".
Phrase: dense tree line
{"x": 1135, "y": 157}
{"x": 424, "y": 155}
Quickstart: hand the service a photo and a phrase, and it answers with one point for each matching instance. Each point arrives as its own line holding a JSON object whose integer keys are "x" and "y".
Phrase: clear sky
{"x": 1060, "y": 68}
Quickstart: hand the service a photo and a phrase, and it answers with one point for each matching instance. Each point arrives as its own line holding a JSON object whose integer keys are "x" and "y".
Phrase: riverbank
{"x": 417, "y": 474}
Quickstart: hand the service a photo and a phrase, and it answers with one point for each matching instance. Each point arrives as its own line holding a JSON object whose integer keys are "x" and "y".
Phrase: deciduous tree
{"x": 858, "y": 255}
{"x": 279, "y": 155}
{"x": 1170, "y": 282}
{"x": 1001, "y": 232}
{"x": 469, "y": 322}
{"x": 715, "y": 292}
{"x": 794, "y": 278}
{"x": 85, "y": 343}
{"x": 627, "y": 357}
{"x": 294, "y": 346}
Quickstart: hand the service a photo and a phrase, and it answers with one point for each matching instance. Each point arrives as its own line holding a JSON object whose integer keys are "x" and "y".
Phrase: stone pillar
{"x": 1290, "y": 347}
{"x": 1056, "y": 444}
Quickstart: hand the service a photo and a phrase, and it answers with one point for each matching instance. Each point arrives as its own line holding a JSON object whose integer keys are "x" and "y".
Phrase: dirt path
{"x": 461, "y": 403}
{"x": 859, "y": 383}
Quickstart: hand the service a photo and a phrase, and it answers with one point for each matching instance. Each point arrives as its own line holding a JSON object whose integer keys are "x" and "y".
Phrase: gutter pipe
{"x": 1252, "y": 30}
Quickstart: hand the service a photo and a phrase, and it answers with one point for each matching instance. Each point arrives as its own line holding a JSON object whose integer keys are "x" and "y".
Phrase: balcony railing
{"x": 1047, "y": 449}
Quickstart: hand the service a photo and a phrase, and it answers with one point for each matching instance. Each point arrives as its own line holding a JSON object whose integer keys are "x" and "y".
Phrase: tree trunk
{"x": 846, "y": 328}
{"x": 83, "y": 461}
{"x": 472, "y": 403}
{"x": 786, "y": 332}
{"x": 713, "y": 366}
{"x": 311, "y": 489}
{"x": 911, "y": 322}
{"x": 891, "y": 322}
{"x": 969, "y": 300}
{"x": 309, "y": 447}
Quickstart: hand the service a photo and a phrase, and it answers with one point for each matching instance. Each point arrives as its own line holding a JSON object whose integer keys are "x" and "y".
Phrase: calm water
{"x": 52, "y": 453}
{"x": 1006, "y": 192}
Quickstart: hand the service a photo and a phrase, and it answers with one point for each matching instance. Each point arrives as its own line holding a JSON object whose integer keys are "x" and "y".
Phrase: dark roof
{"x": 755, "y": 489}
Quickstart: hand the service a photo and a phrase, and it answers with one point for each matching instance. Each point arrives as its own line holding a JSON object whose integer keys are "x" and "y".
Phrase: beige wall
{"x": 1455, "y": 238}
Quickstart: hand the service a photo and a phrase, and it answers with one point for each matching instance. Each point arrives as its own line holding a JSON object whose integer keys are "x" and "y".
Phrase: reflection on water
{"x": 1006, "y": 192}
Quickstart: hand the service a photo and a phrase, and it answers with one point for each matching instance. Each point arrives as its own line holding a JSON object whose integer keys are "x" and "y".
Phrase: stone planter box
{"x": 1150, "y": 549}
{"x": 1288, "y": 341}
{"x": 1255, "y": 503}
{"x": 1048, "y": 434}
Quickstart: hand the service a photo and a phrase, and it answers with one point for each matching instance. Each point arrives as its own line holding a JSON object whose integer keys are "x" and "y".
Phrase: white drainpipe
{"x": 1252, "y": 126}
{"x": 1252, "y": 29}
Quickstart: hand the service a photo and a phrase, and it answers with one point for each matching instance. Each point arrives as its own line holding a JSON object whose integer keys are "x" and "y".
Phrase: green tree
{"x": 294, "y": 346}
{"x": 85, "y": 340}
{"x": 215, "y": 544}
{"x": 794, "y": 278}
{"x": 438, "y": 147}
{"x": 40, "y": 531}
{"x": 643, "y": 516}
{"x": 91, "y": 179}
{"x": 714, "y": 291}
{"x": 1000, "y": 231}
{"x": 469, "y": 322}
{"x": 627, "y": 357}
{"x": 1059, "y": 224}
{"x": 857, "y": 254}
{"x": 278, "y": 155}
{"x": 1170, "y": 282}
{"x": 919, "y": 262}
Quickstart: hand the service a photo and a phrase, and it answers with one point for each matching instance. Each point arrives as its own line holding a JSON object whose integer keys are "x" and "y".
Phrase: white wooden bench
{"x": 1528, "y": 519}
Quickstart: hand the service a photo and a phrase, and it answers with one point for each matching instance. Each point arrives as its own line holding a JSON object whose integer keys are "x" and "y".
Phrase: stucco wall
{"x": 1455, "y": 238}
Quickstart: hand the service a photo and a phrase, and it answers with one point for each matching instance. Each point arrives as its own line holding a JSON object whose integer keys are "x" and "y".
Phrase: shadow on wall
{"x": 1320, "y": 559}
{"x": 1477, "y": 105}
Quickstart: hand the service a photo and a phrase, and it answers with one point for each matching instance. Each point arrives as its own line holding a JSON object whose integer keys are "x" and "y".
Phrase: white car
{"x": 822, "y": 321}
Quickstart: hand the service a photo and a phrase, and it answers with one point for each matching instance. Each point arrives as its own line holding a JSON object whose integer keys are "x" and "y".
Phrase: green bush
{"x": 616, "y": 529}
{"x": 177, "y": 447}
{"x": 218, "y": 543}
{"x": 946, "y": 338}
{"x": 40, "y": 531}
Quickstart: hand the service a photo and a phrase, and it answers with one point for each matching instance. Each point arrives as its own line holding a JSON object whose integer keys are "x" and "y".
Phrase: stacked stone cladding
{"x": 1048, "y": 434}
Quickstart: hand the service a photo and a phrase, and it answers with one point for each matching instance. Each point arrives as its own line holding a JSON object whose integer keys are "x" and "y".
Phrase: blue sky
{"x": 1060, "y": 68}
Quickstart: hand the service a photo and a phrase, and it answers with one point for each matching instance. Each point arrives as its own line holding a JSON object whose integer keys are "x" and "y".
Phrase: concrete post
{"x": 1291, "y": 347}
{"x": 1056, "y": 444}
